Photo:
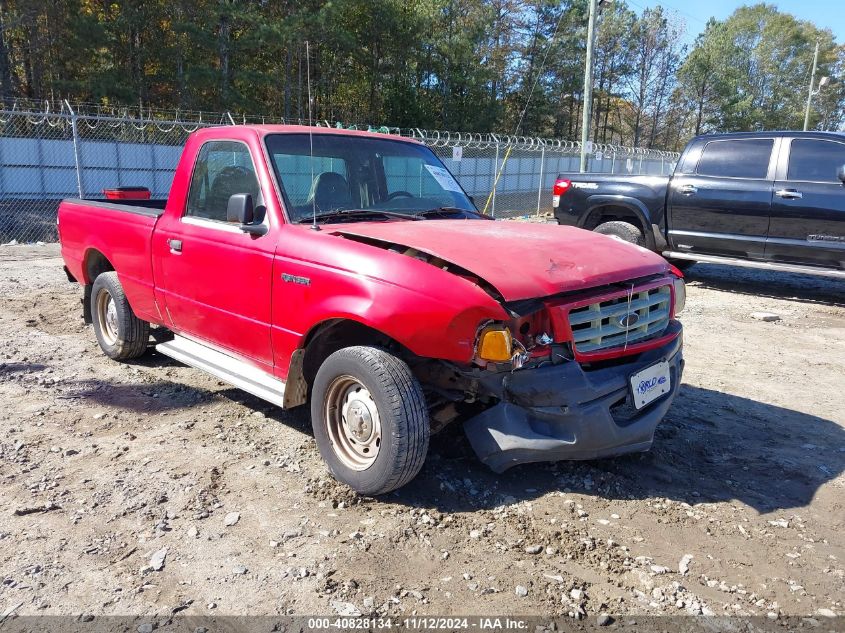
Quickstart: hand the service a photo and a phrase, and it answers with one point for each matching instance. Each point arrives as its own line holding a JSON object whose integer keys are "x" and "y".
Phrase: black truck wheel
{"x": 370, "y": 419}
{"x": 622, "y": 230}
{"x": 120, "y": 333}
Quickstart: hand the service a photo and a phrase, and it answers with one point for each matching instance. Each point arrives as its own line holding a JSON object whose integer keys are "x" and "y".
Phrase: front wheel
{"x": 370, "y": 419}
{"x": 119, "y": 332}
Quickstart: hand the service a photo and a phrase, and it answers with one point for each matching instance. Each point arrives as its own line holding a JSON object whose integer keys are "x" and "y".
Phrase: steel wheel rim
{"x": 107, "y": 316}
{"x": 353, "y": 423}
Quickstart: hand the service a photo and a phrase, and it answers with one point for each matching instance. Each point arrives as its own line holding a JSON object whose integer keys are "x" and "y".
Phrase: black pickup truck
{"x": 765, "y": 200}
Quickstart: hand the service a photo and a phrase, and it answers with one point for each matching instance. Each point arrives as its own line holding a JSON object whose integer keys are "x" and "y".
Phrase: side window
{"x": 223, "y": 168}
{"x": 815, "y": 160}
{"x": 741, "y": 158}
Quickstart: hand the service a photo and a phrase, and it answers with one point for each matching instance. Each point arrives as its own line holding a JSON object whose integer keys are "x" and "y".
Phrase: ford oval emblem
{"x": 629, "y": 320}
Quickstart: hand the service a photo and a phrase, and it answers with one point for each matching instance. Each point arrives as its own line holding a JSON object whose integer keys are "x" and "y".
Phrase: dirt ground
{"x": 148, "y": 488}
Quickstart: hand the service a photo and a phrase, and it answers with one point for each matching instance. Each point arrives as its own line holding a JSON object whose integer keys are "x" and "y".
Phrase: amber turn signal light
{"x": 495, "y": 344}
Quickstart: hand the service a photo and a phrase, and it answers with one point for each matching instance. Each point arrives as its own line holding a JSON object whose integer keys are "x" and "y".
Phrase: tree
{"x": 614, "y": 63}
{"x": 699, "y": 75}
{"x": 466, "y": 65}
{"x": 752, "y": 71}
{"x": 656, "y": 44}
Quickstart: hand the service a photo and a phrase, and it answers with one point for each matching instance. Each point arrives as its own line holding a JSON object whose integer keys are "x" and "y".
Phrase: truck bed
{"x": 123, "y": 241}
{"x": 649, "y": 190}
{"x": 622, "y": 196}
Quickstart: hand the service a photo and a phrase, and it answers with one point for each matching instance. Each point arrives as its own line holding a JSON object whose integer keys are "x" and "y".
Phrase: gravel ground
{"x": 150, "y": 487}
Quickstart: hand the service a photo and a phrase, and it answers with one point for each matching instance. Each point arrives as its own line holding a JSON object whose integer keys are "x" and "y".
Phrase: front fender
{"x": 438, "y": 318}
{"x": 424, "y": 325}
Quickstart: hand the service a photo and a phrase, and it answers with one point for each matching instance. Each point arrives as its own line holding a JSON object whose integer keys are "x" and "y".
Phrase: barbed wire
{"x": 187, "y": 121}
{"x": 50, "y": 151}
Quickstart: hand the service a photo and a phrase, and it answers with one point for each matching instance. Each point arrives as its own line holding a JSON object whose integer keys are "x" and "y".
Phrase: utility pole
{"x": 810, "y": 93}
{"x": 588, "y": 85}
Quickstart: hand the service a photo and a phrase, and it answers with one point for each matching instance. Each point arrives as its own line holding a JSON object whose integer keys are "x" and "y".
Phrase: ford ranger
{"x": 772, "y": 200}
{"x": 350, "y": 270}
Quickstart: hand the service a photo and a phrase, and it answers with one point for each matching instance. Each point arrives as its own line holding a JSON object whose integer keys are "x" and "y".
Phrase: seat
{"x": 330, "y": 191}
{"x": 228, "y": 182}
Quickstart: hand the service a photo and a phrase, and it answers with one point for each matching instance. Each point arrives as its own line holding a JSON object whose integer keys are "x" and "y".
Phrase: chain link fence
{"x": 50, "y": 154}
{"x": 513, "y": 176}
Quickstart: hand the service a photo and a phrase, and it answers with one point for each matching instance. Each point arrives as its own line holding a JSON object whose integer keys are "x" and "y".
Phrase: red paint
{"x": 523, "y": 260}
{"x": 228, "y": 288}
{"x": 124, "y": 239}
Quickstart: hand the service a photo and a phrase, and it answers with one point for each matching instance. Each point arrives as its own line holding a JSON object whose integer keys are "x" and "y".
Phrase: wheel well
{"x": 96, "y": 263}
{"x": 611, "y": 213}
{"x": 330, "y": 336}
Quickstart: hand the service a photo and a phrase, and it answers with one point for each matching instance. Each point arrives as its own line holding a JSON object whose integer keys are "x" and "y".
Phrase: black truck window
{"x": 815, "y": 160}
{"x": 736, "y": 158}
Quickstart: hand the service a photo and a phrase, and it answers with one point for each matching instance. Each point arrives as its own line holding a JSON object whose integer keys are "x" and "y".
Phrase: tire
{"x": 622, "y": 230}
{"x": 370, "y": 419}
{"x": 119, "y": 332}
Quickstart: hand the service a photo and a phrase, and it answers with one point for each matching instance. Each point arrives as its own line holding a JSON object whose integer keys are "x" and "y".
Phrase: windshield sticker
{"x": 443, "y": 178}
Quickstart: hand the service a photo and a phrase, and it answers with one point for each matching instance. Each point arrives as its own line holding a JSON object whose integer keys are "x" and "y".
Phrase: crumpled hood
{"x": 521, "y": 260}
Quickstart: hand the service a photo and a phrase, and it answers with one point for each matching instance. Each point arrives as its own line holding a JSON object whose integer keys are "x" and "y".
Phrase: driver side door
{"x": 216, "y": 279}
{"x": 721, "y": 205}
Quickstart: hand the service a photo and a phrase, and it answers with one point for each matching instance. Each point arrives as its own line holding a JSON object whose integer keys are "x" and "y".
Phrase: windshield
{"x": 358, "y": 172}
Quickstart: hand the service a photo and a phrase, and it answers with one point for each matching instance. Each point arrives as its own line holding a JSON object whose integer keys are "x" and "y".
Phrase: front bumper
{"x": 563, "y": 412}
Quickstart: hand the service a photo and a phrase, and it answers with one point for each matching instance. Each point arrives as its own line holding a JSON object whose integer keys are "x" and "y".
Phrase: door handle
{"x": 789, "y": 194}
{"x": 175, "y": 246}
{"x": 688, "y": 190}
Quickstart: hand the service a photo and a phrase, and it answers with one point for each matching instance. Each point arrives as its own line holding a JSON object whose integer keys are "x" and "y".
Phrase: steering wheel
{"x": 397, "y": 194}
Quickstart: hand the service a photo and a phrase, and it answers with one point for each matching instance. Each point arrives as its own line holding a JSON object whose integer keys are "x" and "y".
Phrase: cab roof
{"x": 267, "y": 129}
{"x": 771, "y": 134}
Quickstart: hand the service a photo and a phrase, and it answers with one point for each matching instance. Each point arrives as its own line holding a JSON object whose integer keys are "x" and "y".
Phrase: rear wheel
{"x": 370, "y": 419}
{"x": 119, "y": 332}
{"x": 624, "y": 231}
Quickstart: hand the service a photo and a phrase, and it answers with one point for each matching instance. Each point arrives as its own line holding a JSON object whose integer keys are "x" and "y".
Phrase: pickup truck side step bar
{"x": 226, "y": 368}
{"x": 749, "y": 263}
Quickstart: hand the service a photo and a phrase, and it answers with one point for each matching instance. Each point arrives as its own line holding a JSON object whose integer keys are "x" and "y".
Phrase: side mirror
{"x": 241, "y": 209}
{"x": 841, "y": 173}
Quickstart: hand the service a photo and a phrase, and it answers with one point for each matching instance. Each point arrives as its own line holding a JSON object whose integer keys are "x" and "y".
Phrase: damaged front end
{"x": 564, "y": 410}
{"x": 578, "y": 377}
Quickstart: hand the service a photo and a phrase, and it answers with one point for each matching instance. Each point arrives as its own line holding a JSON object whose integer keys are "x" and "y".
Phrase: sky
{"x": 825, "y": 13}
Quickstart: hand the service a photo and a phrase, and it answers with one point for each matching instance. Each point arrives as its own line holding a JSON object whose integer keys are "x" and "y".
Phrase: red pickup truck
{"x": 351, "y": 270}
